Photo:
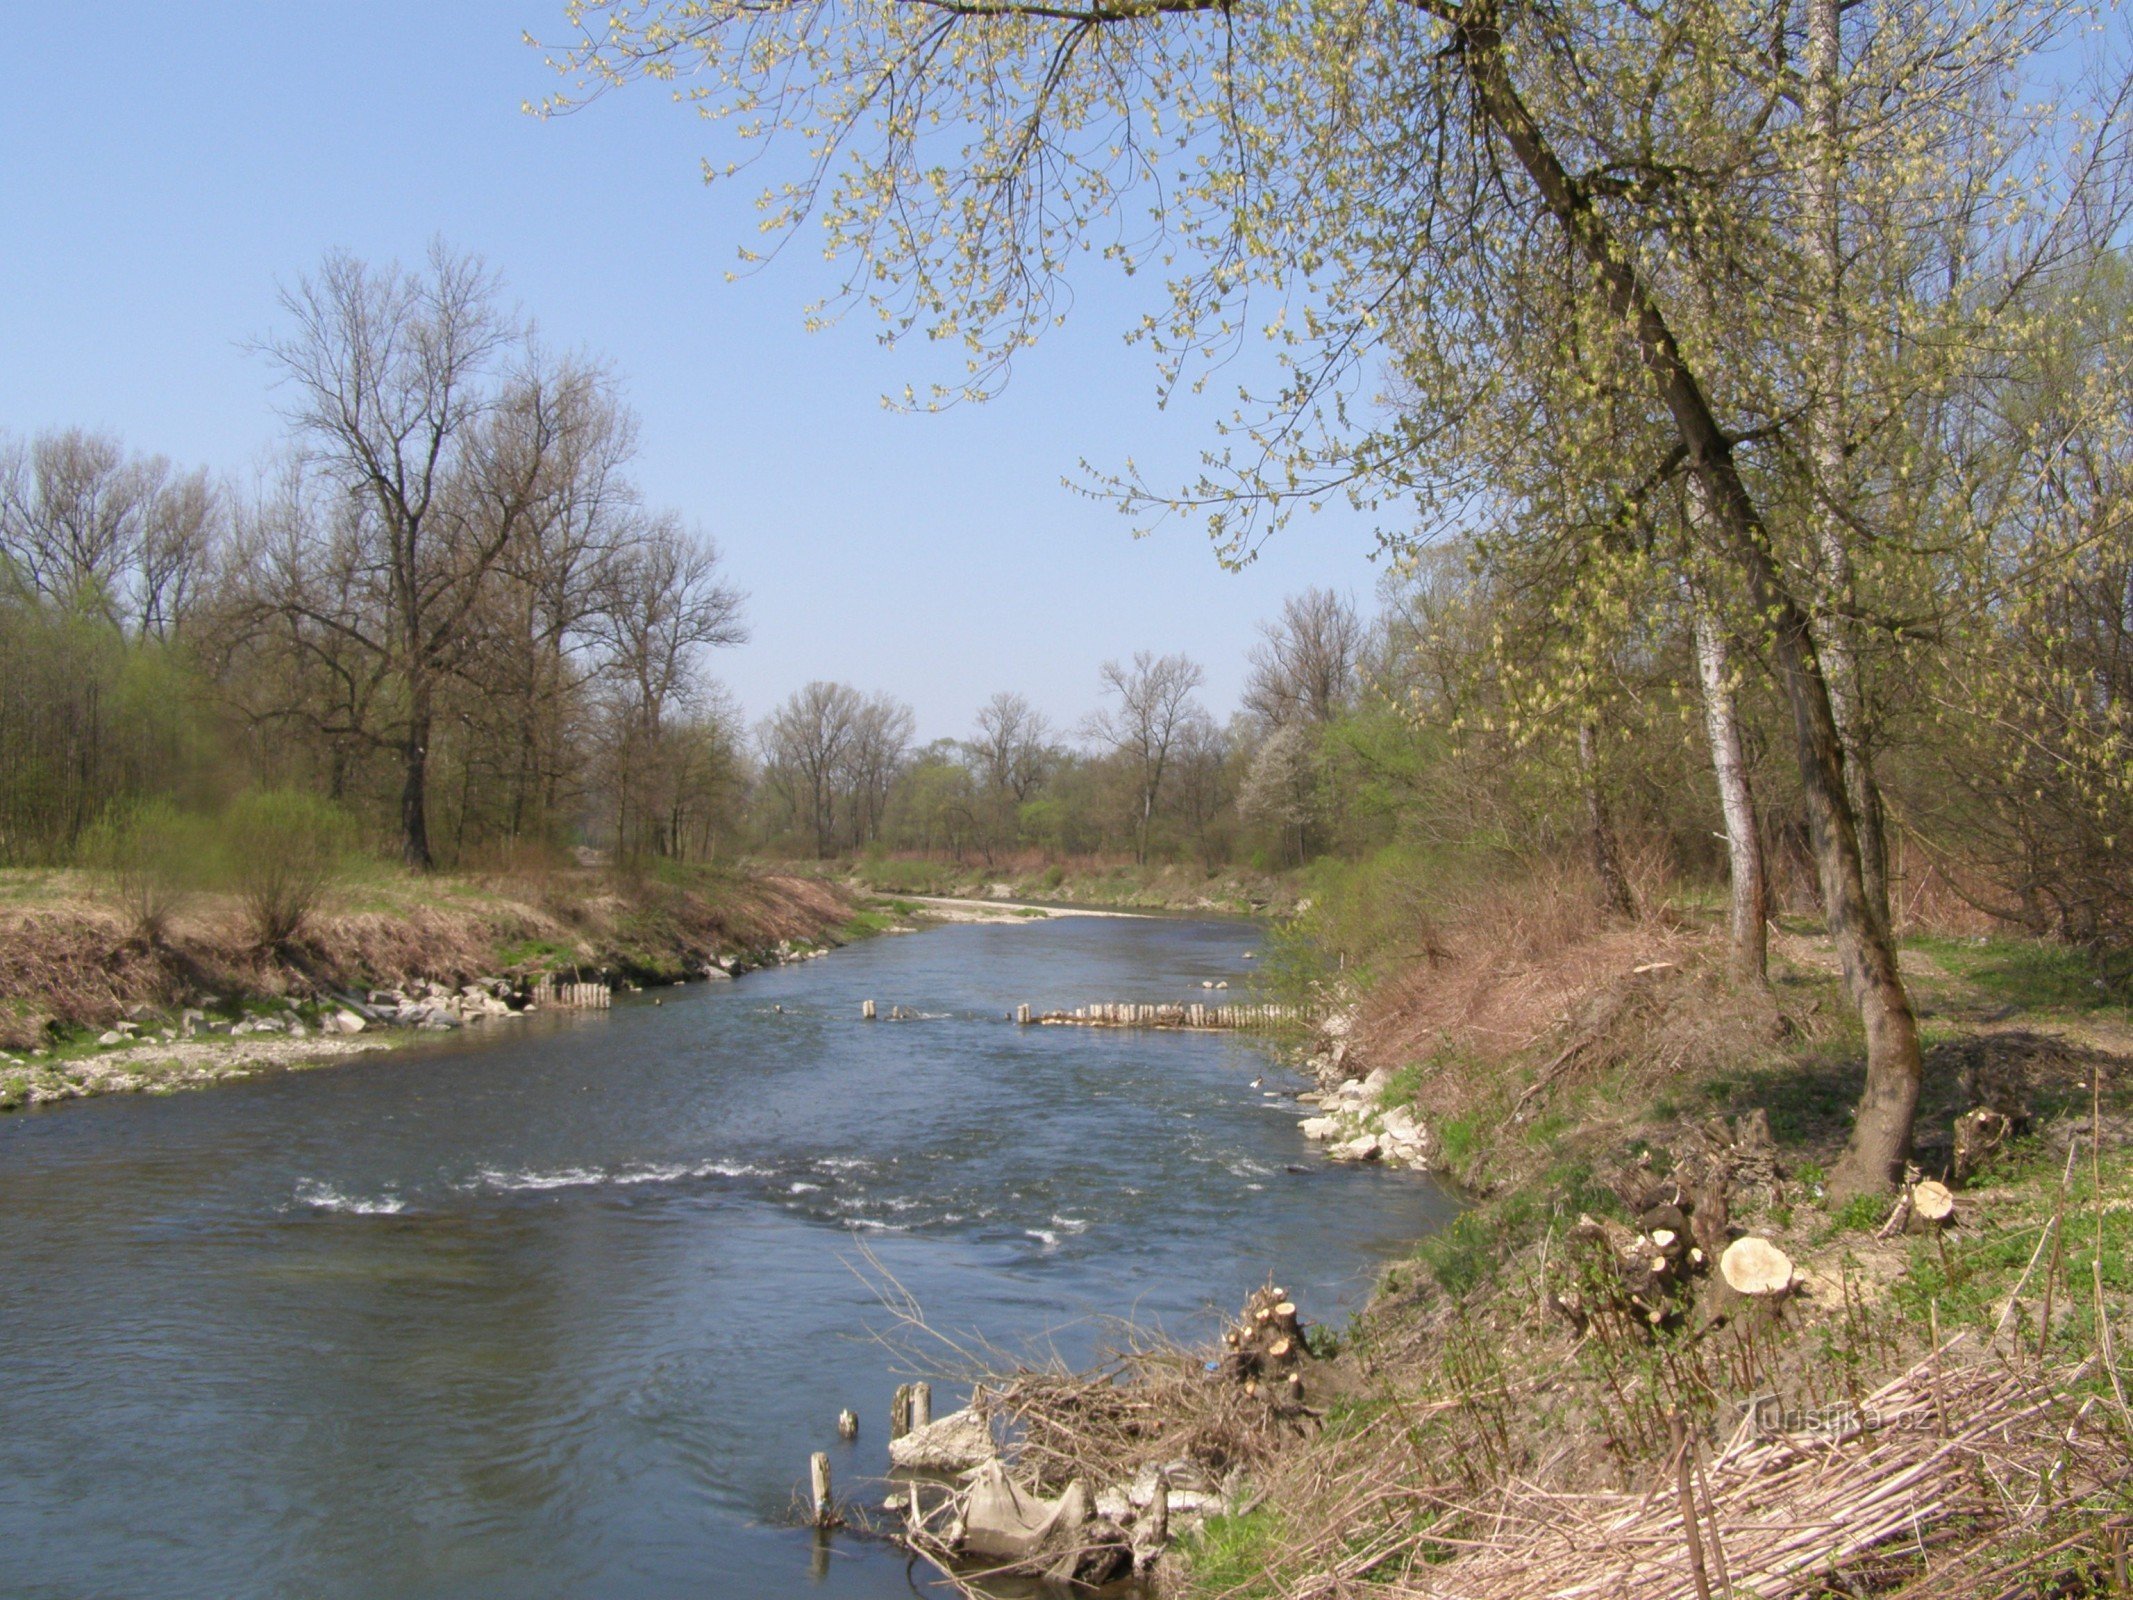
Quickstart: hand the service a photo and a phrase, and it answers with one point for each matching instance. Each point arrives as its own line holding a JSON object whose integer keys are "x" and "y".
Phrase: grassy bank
{"x": 74, "y": 968}
{"x": 1513, "y": 1412}
{"x": 1101, "y": 883}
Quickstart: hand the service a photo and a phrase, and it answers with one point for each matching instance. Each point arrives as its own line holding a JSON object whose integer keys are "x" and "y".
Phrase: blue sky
{"x": 167, "y": 166}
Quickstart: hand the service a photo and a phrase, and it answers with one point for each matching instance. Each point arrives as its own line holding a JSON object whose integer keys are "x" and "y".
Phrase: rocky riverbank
{"x": 87, "y": 1010}
{"x": 1359, "y": 1118}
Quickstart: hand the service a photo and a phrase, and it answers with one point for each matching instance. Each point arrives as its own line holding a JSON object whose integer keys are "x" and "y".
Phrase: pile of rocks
{"x": 433, "y": 1006}
{"x": 1352, "y": 1122}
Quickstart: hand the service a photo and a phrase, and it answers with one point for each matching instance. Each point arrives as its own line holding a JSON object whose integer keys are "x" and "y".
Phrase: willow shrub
{"x": 283, "y": 851}
{"x": 150, "y": 858}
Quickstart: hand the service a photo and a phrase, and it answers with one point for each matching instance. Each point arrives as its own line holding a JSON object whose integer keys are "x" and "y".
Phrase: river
{"x": 560, "y": 1308}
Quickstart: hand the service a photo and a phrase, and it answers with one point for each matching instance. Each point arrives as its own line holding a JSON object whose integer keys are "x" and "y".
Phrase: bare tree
{"x": 1011, "y": 755}
{"x": 881, "y": 735}
{"x": 96, "y": 530}
{"x": 664, "y": 605}
{"x": 1304, "y": 668}
{"x": 399, "y": 402}
{"x": 1154, "y": 702}
{"x": 806, "y": 746}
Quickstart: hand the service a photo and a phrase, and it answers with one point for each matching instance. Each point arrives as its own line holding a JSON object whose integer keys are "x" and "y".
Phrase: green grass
{"x": 1967, "y": 1275}
{"x": 2033, "y": 975}
{"x": 1234, "y": 1555}
{"x": 544, "y": 954}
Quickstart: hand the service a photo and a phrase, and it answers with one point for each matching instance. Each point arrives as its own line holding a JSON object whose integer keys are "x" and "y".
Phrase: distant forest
{"x": 449, "y": 614}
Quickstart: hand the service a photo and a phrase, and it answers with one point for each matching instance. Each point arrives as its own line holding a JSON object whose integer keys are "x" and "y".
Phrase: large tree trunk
{"x": 1744, "y": 841}
{"x": 1825, "y": 430}
{"x": 1881, "y": 1134}
{"x": 414, "y": 790}
{"x": 1600, "y": 833}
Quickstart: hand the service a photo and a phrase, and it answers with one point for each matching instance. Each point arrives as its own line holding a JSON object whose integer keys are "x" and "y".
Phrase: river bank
{"x": 1650, "y": 1288}
{"x": 89, "y": 1008}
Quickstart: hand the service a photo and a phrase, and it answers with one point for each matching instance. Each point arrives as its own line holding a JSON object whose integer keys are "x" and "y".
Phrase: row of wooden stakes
{"x": 572, "y": 996}
{"x": 1247, "y": 1019}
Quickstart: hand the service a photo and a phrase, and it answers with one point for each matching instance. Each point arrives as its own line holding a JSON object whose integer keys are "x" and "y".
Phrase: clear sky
{"x": 167, "y": 166}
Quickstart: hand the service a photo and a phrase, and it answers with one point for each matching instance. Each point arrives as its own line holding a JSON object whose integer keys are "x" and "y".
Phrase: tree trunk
{"x": 1881, "y": 1134}
{"x": 1606, "y": 859}
{"x": 1744, "y": 842}
{"x": 414, "y": 791}
{"x": 1826, "y": 444}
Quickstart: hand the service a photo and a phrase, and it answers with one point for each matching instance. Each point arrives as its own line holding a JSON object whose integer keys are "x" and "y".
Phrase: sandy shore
{"x": 945, "y": 908}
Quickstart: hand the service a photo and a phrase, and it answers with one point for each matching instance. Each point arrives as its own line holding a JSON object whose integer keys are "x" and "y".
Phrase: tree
{"x": 1481, "y": 188}
{"x": 1154, "y": 706}
{"x": 881, "y": 734}
{"x": 664, "y": 604}
{"x": 97, "y": 531}
{"x": 1303, "y": 668}
{"x": 807, "y": 744}
{"x": 1011, "y": 756}
{"x": 443, "y": 460}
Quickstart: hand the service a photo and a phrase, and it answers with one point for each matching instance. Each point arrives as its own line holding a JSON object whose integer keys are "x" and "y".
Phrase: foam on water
{"x": 324, "y": 1197}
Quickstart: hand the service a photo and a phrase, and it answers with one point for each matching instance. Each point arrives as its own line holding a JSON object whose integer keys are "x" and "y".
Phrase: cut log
{"x": 1756, "y": 1268}
{"x": 1932, "y": 1206}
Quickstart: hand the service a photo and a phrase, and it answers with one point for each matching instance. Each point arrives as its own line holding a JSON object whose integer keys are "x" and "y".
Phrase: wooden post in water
{"x": 866, "y": 1010}
{"x": 1022, "y": 1013}
{"x": 818, "y": 1484}
{"x": 900, "y": 1411}
{"x": 921, "y": 1405}
{"x": 847, "y": 1423}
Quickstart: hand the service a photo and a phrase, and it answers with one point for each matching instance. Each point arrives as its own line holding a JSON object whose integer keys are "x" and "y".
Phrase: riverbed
{"x": 560, "y": 1311}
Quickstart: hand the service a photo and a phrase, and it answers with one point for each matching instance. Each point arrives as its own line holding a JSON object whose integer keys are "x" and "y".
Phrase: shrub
{"x": 150, "y": 859}
{"x": 284, "y": 851}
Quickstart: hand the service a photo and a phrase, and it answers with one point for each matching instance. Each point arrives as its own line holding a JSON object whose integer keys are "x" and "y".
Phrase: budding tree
{"x": 1472, "y": 188}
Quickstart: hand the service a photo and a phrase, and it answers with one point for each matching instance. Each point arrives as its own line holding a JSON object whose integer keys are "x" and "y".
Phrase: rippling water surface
{"x": 561, "y": 1310}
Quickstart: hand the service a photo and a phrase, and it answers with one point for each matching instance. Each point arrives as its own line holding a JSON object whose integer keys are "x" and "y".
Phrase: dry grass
{"x": 1957, "y": 1476}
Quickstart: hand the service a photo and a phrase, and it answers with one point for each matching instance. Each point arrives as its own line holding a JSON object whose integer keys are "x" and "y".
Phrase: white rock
{"x": 1320, "y": 1127}
{"x": 954, "y": 1443}
{"x": 1112, "y": 1503}
{"x": 1368, "y": 1147}
{"x": 111, "y": 1036}
{"x": 1400, "y": 1125}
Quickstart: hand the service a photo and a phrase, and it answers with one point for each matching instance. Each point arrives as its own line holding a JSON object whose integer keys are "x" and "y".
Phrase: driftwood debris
{"x": 1265, "y": 1349}
{"x": 1103, "y": 1475}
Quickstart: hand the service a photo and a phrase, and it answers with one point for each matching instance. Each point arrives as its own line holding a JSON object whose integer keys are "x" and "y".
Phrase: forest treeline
{"x": 449, "y": 612}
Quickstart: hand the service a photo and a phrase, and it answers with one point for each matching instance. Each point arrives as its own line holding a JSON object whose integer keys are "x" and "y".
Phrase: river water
{"x": 561, "y": 1309}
